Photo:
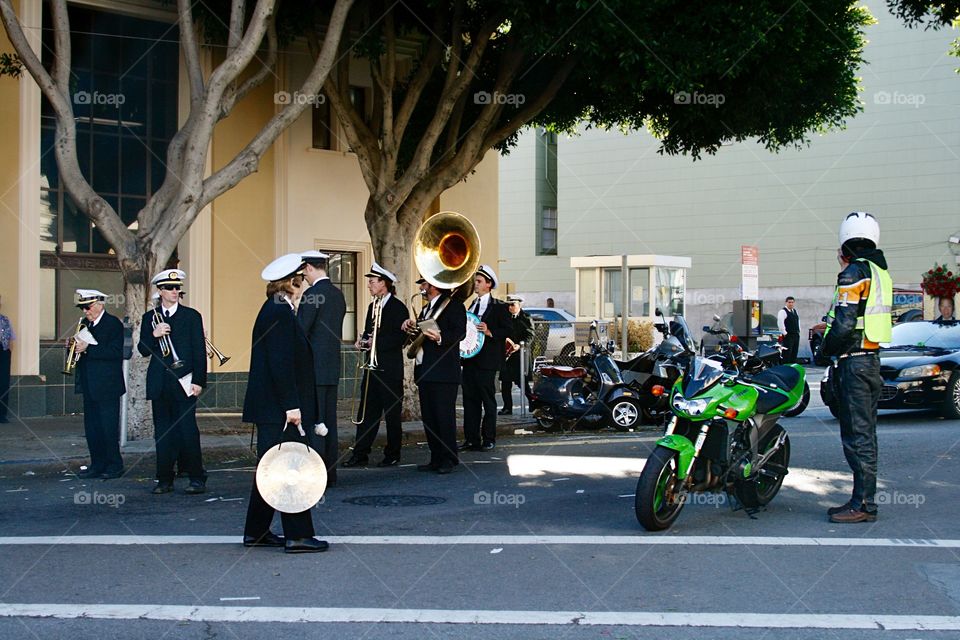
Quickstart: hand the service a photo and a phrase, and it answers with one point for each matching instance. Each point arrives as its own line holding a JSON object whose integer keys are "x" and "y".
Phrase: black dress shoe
{"x": 305, "y": 545}
{"x": 269, "y": 539}
{"x": 389, "y": 462}
{"x": 111, "y": 475}
{"x": 427, "y": 467}
{"x": 163, "y": 487}
{"x": 354, "y": 461}
{"x": 487, "y": 446}
{"x": 196, "y": 487}
{"x": 468, "y": 446}
{"x": 89, "y": 473}
{"x": 505, "y": 412}
{"x": 445, "y": 468}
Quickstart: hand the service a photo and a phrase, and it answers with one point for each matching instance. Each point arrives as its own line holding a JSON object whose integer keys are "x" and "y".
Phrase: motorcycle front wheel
{"x": 657, "y": 502}
{"x": 765, "y": 484}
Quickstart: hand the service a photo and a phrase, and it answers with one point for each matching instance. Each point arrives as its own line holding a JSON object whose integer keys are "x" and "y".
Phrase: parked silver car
{"x": 553, "y": 332}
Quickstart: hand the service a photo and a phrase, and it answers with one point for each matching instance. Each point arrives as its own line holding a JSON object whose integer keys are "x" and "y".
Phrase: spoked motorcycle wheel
{"x": 765, "y": 484}
{"x": 798, "y": 408}
{"x": 658, "y": 502}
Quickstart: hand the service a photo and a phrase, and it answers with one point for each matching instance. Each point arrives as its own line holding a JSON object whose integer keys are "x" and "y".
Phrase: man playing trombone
{"x": 172, "y": 335}
{"x": 98, "y": 362}
{"x": 381, "y": 389}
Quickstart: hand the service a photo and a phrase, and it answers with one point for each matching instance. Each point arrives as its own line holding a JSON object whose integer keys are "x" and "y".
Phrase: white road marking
{"x": 239, "y": 598}
{"x": 499, "y": 540}
{"x": 454, "y": 616}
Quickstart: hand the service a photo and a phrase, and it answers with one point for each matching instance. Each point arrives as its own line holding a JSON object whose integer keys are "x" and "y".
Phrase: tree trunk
{"x": 139, "y": 414}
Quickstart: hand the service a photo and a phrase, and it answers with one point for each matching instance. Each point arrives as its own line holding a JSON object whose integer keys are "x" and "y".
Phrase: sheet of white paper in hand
{"x": 86, "y": 336}
{"x": 185, "y": 382}
{"x": 429, "y": 325}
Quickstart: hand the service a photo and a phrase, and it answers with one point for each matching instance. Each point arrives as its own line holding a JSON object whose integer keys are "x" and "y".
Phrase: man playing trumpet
{"x": 99, "y": 378}
{"x": 172, "y": 335}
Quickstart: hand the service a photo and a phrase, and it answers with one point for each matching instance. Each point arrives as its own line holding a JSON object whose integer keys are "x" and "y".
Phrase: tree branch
{"x": 237, "y": 10}
{"x": 191, "y": 53}
{"x": 254, "y": 81}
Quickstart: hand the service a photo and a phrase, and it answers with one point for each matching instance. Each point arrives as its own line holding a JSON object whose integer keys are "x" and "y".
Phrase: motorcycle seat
{"x": 560, "y": 371}
{"x": 782, "y": 377}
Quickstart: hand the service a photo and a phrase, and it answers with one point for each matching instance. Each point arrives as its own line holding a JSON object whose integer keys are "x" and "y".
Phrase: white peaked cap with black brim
{"x": 487, "y": 272}
{"x": 286, "y": 266}
{"x": 376, "y": 271}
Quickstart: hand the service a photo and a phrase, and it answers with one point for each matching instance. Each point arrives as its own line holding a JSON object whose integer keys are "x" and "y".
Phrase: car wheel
{"x": 624, "y": 414}
{"x": 951, "y": 404}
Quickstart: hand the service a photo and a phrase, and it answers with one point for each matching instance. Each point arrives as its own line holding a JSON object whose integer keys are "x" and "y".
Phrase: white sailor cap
{"x": 487, "y": 272}
{"x": 169, "y": 276}
{"x": 286, "y": 266}
{"x": 86, "y": 296}
{"x": 376, "y": 271}
{"x": 515, "y": 299}
{"x": 313, "y": 255}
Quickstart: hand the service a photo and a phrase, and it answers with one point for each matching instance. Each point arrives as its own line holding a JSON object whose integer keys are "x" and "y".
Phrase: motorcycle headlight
{"x": 923, "y": 371}
{"x": 690, "y": 407}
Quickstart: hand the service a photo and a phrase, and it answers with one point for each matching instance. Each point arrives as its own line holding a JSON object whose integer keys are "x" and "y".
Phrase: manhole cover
{"x": 395, "y": 501}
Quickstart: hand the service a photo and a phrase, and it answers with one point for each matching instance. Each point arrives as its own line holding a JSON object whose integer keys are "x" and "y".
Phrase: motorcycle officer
{"x": 857, "y": 324}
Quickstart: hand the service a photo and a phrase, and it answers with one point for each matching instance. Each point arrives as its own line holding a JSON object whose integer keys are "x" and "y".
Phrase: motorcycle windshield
{"x": 606, "y": 365}
{"x": 670, "y": 347}
{"x": 700, "y": 375}
{"x": 680, "y": 330}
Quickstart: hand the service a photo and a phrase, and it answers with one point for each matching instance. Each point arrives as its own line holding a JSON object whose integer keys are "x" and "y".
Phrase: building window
{"x": 124, "y": 83}
{"x": 548, "y": 232}
{"x": 342, "y": 269}
{"x": 322, "y": 125}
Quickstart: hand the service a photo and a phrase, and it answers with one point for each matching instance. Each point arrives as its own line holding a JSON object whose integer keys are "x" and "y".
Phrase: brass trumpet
{"x": 73, "y": 356}
{"x": 369, "y": 365}
{"x": 213, "y": 351}
{"x": 166, "y": 342}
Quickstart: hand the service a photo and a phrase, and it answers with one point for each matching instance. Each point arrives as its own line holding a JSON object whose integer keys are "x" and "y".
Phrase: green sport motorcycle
{"x": 723, "y": 436}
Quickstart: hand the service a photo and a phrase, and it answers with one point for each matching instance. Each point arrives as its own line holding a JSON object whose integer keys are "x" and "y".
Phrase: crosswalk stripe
{"x": 445, "y": 616}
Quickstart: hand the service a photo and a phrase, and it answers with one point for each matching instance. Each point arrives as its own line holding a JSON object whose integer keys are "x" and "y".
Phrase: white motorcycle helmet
{"x": 860, "y": 224}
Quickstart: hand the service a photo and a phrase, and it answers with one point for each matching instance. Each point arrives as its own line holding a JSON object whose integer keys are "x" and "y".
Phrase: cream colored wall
{"x": 9, "y": 195}
{"x": 243, "y": 233}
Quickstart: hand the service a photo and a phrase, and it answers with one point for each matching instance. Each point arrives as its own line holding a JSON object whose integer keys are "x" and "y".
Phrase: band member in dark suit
{"x": 382, "y": 388}
{"x": 480, "y": 371}
{"x": 437, "y": 374}
{"x": 174, "y": 411}
{"x": 521, "y": 331}
{"x": 99, "y": 377}
{"x": 320, "y": 313}
{"x": 281, "y": 399}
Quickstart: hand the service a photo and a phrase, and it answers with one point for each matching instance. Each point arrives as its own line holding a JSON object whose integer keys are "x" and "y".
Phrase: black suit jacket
{"x": 186, "y": 332}
{"x": 320, "y": 313}
{"x": 390, "y": 338}
{"x": 99, "y": 373}
{"x": 499, "y": 322}
{"x": 281, "y": 368}
{"x": 441, "y": 362}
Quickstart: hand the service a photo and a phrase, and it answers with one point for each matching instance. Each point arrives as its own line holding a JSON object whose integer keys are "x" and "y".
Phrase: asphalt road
{"x": 536, "y": 539}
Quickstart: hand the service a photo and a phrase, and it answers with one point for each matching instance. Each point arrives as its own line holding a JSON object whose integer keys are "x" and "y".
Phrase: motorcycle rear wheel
{"x": 798, "y": 408}
{"x": 656, "y": 502}
{"x": 760, "y": 489}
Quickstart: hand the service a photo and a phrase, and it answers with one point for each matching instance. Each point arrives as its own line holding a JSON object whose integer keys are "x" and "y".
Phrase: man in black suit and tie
{"x": 437, "y": 374}
{"x": 320, "y": 313}
{"x": 281, "y": 399}
{"x": 480, "y": 371}
{"x": 174, "y": 380}
{"x": 382, "y": 388}
{"x": 99, "y": 377}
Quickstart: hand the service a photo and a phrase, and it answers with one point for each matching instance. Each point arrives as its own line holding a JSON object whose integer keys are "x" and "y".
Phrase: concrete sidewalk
{"x": 59, "y": 440}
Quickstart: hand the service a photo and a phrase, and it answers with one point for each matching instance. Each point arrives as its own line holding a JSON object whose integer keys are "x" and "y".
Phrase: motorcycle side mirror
{"x": 706, "y": 328}
{"x": 823, "y": 319}
{"x": 658, "y": 312}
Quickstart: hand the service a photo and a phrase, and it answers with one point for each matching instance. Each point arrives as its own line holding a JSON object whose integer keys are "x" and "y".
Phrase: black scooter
{"x": 591, "y": 395}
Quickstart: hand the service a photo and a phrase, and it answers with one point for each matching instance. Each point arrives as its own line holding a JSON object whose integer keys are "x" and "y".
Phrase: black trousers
{"x": 859, "y": 391}
{"x": 4, "y": 382}
{"x": 326, "y": 446}
{"x": 438, "y": 407}
{"x": 384, "y": 397}
{"x": 479, "y": 404}
{"x": 259, "y": 513}
{"x": 101, "y": 426}
{"x": 175, "y": 433}
{"x": 792, "y": 342}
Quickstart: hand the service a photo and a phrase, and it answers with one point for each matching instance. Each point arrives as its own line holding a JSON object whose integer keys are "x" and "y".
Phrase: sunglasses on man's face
{"x": 170, "y": 287}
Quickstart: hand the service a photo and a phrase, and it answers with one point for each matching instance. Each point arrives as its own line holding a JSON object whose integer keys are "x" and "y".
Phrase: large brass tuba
{"x": 447, "y": 254}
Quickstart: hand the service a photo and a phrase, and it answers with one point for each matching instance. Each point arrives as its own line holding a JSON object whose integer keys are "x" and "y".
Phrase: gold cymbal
{"x": 291, "y": 477}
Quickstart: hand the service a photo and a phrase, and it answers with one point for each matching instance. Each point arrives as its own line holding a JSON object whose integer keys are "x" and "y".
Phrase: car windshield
{"x": 926, "y": 334}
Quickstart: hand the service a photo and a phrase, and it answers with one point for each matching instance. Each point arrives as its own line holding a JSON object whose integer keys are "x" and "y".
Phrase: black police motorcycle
{"x": 591, "y": 395}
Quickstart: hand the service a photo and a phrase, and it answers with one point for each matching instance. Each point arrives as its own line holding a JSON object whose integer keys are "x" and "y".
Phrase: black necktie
{"x": 476, "y": 307}
{"x": 166, "y": 313}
